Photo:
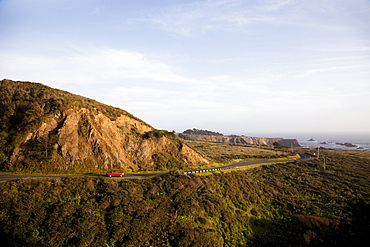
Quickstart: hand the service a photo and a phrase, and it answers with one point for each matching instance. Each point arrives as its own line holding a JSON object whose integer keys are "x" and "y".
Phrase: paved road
{"x": 250, "y": 162}
{"x": 7, "y": 177}
{"x": 254, "y": 162}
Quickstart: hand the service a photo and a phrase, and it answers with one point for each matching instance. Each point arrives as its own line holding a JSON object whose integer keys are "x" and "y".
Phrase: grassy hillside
{"x": 46, "y": 130}
{"x": 24, "y": 104}
{"x": 226, "y": 152}
{"x": 295, "y": 204}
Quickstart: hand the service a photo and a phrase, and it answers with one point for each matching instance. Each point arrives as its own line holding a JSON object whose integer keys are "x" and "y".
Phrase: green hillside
{"x": 295, "y": 204}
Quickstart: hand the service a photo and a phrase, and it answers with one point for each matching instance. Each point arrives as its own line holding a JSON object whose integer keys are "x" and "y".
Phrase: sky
{"x": 231, "y": 66}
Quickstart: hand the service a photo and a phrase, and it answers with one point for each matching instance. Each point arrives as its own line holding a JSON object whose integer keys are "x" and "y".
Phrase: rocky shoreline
{"x": 334, "y": 144}
{"x": 347, "y": 144}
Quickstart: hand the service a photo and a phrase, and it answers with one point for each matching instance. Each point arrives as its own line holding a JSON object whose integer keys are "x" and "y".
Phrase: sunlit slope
{"x": 49, "y": 130}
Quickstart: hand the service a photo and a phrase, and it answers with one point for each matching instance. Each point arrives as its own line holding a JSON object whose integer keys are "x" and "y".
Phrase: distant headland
{"x": 210, "y": 136}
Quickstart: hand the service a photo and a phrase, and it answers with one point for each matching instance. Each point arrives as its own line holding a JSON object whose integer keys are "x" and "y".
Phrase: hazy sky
{"x": 233, "y": 66}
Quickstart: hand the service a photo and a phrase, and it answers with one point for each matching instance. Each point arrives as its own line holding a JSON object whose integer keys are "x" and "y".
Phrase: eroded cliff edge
{"x": 209, "y": 136}
{"x": 46, "y": 129}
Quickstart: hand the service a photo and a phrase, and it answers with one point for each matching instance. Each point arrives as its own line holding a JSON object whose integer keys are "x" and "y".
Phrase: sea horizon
{"x": 323, "y": 139}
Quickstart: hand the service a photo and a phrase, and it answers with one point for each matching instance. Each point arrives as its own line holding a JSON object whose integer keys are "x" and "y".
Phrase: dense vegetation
{"x": 307, "y": 203}
{"x": 23, "y": 104}
{"x": 195, "y": 131}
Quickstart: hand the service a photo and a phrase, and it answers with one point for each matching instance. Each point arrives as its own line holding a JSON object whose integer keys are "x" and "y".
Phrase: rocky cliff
{"x": 246, "y": 140}
{"x": 50, "y": 130}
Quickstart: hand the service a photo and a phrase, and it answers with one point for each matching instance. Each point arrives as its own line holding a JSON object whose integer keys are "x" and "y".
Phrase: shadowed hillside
{"x": 52, "y": 131}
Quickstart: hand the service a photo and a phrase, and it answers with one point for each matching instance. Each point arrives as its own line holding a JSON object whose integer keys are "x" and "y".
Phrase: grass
{"x": 226, "y": 153}
{"x": 240, "y": 168}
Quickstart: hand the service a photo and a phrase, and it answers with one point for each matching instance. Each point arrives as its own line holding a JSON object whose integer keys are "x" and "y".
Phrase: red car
{"x": 115, "y": 174}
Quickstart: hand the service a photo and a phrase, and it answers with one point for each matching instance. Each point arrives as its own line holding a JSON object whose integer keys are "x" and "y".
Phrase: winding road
{"x": 7, "y": 177}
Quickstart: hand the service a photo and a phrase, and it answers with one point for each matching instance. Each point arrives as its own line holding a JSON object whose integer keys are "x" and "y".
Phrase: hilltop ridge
{"x": 49, "y": 130}
{"x": 210, "y": 136}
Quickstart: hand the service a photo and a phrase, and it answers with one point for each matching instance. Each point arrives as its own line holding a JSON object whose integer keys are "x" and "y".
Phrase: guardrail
{"x": 236, "y": 165}
{"x": 204, "y": 170}
{"x": 210, "y": 169}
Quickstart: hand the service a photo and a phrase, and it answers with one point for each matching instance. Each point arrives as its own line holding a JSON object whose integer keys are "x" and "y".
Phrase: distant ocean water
{"x": 326, "y": 140}
{"x": 336, "y": 141}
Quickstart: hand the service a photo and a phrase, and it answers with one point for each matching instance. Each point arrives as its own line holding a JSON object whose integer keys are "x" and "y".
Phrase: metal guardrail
{"x": 236, "y": 165}
{"x": 206, "y": 170}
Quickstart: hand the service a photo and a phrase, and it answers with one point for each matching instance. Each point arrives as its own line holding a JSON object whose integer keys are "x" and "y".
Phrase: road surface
{"x": 7, "y": 177}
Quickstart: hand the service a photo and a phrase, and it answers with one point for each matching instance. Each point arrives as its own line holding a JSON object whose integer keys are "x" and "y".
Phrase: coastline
{"x": 346, "y": 141}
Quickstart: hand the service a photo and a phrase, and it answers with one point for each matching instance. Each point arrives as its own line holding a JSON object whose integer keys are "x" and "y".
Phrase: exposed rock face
{"x": 289, "y": 142}
{"x": 241, "y": 140}
{"x": 76, "y": 135}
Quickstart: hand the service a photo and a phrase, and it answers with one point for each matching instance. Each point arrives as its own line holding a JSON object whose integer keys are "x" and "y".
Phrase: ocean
{"x": 349, "y": 141}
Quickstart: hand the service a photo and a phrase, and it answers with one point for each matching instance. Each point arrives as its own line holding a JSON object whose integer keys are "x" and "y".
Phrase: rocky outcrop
{"x": 77, "y": 135}
{"x": 240, "y": 140}
{"x": 347, "y": 144}
{"x": 289, "y": 142}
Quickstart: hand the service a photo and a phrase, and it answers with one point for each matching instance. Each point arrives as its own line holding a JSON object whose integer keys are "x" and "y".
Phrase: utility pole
{"x": 318, "y": 151}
